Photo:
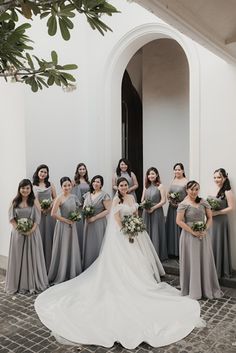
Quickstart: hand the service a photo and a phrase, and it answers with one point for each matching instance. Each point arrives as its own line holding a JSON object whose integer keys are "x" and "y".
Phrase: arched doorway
{"x": 116, "y": 65}
{"x": 155, "y": 109}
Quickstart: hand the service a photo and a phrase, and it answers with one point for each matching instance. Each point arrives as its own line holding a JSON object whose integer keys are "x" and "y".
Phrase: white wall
{"x": 165, "y": 107}
{"x": 12, "y": 155}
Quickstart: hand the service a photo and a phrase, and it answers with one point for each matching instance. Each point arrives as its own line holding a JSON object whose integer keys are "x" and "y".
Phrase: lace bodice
{"x": 126, "y": 210}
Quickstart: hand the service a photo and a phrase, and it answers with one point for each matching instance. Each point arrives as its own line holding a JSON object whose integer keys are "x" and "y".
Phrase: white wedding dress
{"x": 119, "y": 298}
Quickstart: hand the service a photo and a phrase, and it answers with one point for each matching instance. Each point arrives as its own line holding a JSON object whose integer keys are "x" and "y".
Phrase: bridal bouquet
{"x": 174, "y": 198}
{"x": 45, "y": 204}
{"x": 88, "y": 211}
{"x": 24, "y": 225}
{"x": 215, "y": 205}
{"x": 146, "y": 204}
{"x": 132, "y": 226}
{"x": 74, "y": 216}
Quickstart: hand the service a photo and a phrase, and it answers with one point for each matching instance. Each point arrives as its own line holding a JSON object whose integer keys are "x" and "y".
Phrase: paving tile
{"x": 22, "y": 332}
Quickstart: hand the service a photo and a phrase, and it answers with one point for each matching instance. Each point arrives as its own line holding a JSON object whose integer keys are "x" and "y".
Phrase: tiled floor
{"x": 22, "y": 332}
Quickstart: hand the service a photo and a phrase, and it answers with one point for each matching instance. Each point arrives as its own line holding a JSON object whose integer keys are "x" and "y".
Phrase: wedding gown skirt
{"x": 118, "y": 299}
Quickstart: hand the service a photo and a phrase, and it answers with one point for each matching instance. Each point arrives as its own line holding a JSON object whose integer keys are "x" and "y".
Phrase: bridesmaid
{"x": 95, "y": 226}
{"x": 80, "y": 188}
{"x": 124, "y": 170}
{"x": 44, "y": 190}
{"x": 173, "y": 231}
{"x": 154, "y": 217}
{"x": 220, "y": 227}
{"x": 66, "y": 262}
{"x": 26, "y": 271}
{"x": 198, "y": 276}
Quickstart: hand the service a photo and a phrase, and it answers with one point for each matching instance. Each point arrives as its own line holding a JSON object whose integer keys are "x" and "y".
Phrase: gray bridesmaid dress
{"x": 66, "y": 261}
{"x": 80, "y": 190}
{"x": 130, "y": 181}
{"x": 94, "y": 232}
{"x": 221, "y": 241}
{"x": 198, "y": 276}
{"x": 172, "y": 229}
{"x": 26, "y": 271}
{"x": 47, "y": 224}
{"x": 155, "y": 222}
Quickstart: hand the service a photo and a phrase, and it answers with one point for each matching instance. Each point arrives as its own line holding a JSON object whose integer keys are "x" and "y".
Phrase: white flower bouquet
{"x": 146, "y": 204}
{"x": 174, "y": 198}
{"x": 45, "y": 204}
{"x": 132, "y": 226}
{"x": 88, "y": 211}
{"x": 24, "y": 225}
{"x": 215, "y": 205}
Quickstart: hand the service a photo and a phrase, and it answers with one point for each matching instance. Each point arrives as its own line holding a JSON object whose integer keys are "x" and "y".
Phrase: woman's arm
{"x": 54, "y": 193}
{"x": 231, "y": 204}
{"x": 162, "y": 201}
{"x": 107, "y": 205}
{"x": 180, "y": 222}
{"x": 135, "y": 183}
{"x": 54, "y": 212}
{"x": 143, "y": 195}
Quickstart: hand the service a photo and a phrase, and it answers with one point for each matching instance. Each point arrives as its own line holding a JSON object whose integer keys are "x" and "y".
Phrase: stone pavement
{"x": 22, "y": 332}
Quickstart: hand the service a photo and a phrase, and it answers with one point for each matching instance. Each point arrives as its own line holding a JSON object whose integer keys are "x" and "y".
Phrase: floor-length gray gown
{"x": 155, "y": 222}
{"x": 66, "y": 261}
{"x": 94, "y": 232}
{"x": 47, "y": 223}
{"x": 173, "y": 231}
{"x": 198, "y": 277}
{"x": 220, "y": 240}
{"x": 26, "y": 271}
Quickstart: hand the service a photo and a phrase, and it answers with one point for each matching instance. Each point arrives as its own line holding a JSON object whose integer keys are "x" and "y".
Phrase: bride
{"x": 119, "y": 298}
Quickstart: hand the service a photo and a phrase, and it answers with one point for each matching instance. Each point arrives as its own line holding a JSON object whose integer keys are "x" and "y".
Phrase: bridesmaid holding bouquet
{"x": 96, "y": 208}
{"x": 175, "y": 195}
{"x": 153, "y": 198}
{"x": 66, "y": 262}
{"x": 124, "y": 170}
{"x": 45, "y": 192}
{"x": 222, "y": 203}
{"x": 26, "y": 271}
{"x": 80, "y": 188}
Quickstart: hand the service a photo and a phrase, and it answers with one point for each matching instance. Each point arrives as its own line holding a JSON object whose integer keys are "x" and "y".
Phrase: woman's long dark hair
{"x": 77, "y": 176}
{"x": 119, "y": 180}
{"x": 226, "y": 185}
{"x": 63, "y": 179}
{"x": 127, "y": 162}
{"x": 147, "y": 181}
{"x": 191, "y": 184}
{"x": 181, "y": 167}
{"x": 18, "y": 199}
{"x": 36, "y": 177}
{"x": 93, "y": 179}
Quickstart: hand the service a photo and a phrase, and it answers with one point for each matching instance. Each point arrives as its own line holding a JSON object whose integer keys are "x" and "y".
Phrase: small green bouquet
{"x": 88, "y": 211}
{"x": 24, "y": 225}
{"x": 146, "y": 204}
{"x": 174, "y": 198}
{"x": 199, "y": 226}
{"x": 214, "y": 203}
{"x": 74, "y": 216}
{"x": 45, "y": 204}
{"x": 132, "y": 226}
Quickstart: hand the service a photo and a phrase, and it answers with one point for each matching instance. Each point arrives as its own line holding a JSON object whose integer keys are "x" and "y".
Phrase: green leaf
{"x": 52, "y": 25}
{"x": 5, "y": 17}
{"x": 30, "y": 62}
{"x": 68, "y": 77}
{"x": 54, "y": 57}
{"x": 51, "y": 80}
{"x": 69, "y": 67}
{"x": 64, "y": 30}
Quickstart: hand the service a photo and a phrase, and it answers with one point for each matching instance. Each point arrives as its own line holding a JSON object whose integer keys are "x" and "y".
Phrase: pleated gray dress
{"x": 198, "y": 276}
{"x": 80, "y": 190}
{"x": 94, "y": 232}
{"x": 173, "y": 231}
{"x": 129, "y": 179}
{"x": 155, "y": 222}
{"x": 47, "y": 223}
{"x": 220, "y": 240}
{"x": 66, "y": 261}
{"x": 26, "y": 271}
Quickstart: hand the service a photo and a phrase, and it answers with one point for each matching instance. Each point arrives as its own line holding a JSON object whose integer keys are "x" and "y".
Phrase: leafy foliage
{"x": 16, "y": 62}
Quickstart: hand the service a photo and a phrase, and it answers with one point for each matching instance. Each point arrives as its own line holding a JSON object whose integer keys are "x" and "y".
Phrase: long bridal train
{"x": 119, "y": 298}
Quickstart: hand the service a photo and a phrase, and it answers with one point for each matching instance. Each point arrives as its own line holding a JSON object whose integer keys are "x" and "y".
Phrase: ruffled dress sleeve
{"x": 11, "y": 213}
{"x": 205, "y": 203}
{"x": 182, "y": 207}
